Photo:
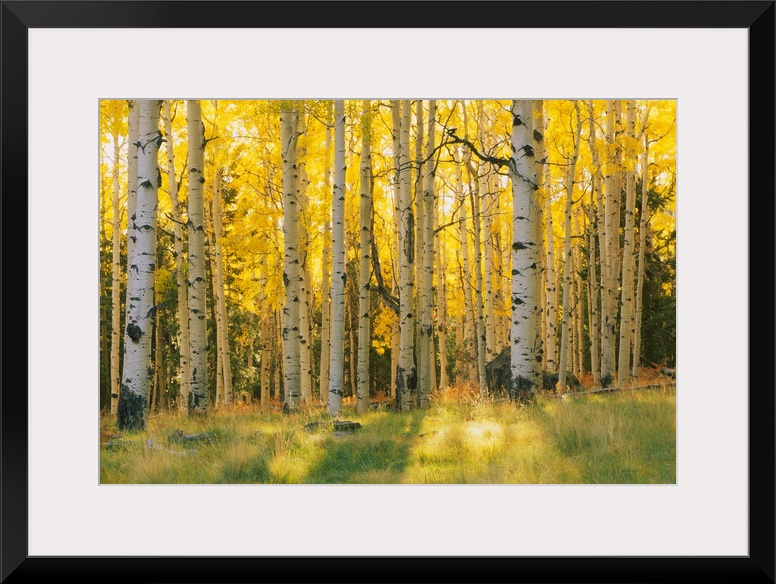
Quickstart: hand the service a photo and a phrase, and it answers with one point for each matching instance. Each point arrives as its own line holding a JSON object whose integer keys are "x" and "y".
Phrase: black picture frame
{"x": 758, "y": 566}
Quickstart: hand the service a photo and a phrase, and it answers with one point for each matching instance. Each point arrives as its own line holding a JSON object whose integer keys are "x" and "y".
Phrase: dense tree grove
{"x": 333, "y": 252}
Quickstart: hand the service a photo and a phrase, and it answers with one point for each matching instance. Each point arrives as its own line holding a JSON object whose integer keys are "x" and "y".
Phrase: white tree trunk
{"x": 365, "y": 261}
{"x": 566, "y": 318}
{"x": 487, "y": 200}
{"x": 395, "y": 328}
{"x": 223, "y": 328}
{"x": 418, "y": 233}
{"x": 132, "y": 156}
{"x": 467, "y": 356}
{"x": 180, "y": 276}
{"x": 579, "y": 303}
{"x": 305, "y": 289}
{"x": 115, "y": 374}
{"x": 626, "y": 315}
{"x": 197, "y": 300}
{"x": 643, "y": 226}
{"x": 441, "y": 263}
{"x": 325, "y": 273}
{"x": 141, "y": 266}
{"x": 609, "y": 273}
{"x": 337, "y": 364}
{"x": 550, "y": 348}
{"x": 427, "y": 324}
{"x": 525, "y": 329}
{"x": 593, "y": 291}
{"x": 406, "y": 376}
{"x": 480, "y": 305}
{"x": 132, "y": 161}
{"x": 291, "y": 355}
{"x": 267, "y": 339}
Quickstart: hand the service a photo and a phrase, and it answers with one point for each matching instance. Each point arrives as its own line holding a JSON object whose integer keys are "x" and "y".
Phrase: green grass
{"x": 624, "y": 438}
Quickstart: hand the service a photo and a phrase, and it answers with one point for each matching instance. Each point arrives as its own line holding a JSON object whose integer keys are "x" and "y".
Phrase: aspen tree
{"x": 480, "y": 307}
{"x": 141, "y": 265}
{"x": 643, "y": 226}
{"x": 418, "y": 233}
{"x": 115, "y": 373}
{"x": 626, "y": 324}
{"x": 597, "y": 291}
{"x": 537, "y": 135}
{"x": 291, "y": 308}
{"x": 550, "y": 354}
{"x": 486, "y": 202}
{"x": 427, "y": 326}
{"x": 609, "y": 274}
{"x": 469, "y": 341}
{"x": 579, "y": 300}
{"x": 395, "y": 324}
{"x": 198, "y": 402}
{"x": 305, "y": 292}
{"x": 325, "y": 267}
{"x": 406, "y": 376}
{"x": 441, "y": 259}
{"x": 525, "y": 371}
{"x": 337, "y": 361}
{"x": 566, "y": 317}
{"x": 132, "y": 157}
{"x": 180, "y": 276}
{"x": 222, "y": 330}
{"x": 266, "y": 349}
{"x": 365, "y": 261}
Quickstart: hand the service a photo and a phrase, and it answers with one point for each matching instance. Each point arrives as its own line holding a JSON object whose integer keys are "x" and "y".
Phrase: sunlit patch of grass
{"x": 627, "y": 437}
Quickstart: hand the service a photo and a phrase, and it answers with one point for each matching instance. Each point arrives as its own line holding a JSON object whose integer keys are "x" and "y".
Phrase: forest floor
{"x": 623, "y": 437}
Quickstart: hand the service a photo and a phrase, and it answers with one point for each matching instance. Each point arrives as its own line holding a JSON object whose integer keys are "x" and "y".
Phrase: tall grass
{"x": 625, "y": 437}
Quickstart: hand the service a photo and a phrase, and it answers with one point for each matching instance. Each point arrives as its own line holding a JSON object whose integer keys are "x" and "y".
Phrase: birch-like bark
{"x": 441, "y": 262}
{"x": 526, "y": 374}
{"x": 325, "y": 271}
{"x": 609, "y": 275}
{"x": 180, "y": 276}
{"x": 132, "y": 157}
{"x": 337, "y": 361}
{"x": 141, "y": 266}
{"x": 469, "y": 344}
{"x": 592, "y": 289}
{"x": 480, "y": 305}
{"x": 566, "y": 317}
{"x": 550, "y": 354}
{"x": 305, "y": 291}
{"x": 406, "y": 376}
{"x": 626, "y": 315}
{"x": 291, "y": 353}
{"x": 579, "y": 303}
{"x": 427, "y": 324}
{"x": 197, "y": 402}
{"x": 267, "y": 339}
{"x": 115, "y": 374}
{"x": 643, "y": 226}
{"x": 597, "y": 290}
{"x": 395, "y": 328}
{"x": 158, "y": 362}
{"x": 537, "y": 133}
{"x": 419, "y": 210}
{"x": 132, "y": 162}
{"x": 220, "y": 297}
{"x": 365, "y": 261}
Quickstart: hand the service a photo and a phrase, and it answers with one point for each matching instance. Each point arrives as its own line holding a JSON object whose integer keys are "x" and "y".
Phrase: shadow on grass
{"x": 378, "y": 453}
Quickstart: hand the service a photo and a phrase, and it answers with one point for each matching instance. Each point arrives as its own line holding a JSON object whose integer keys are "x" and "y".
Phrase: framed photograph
{"x": 713, "y": 523}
